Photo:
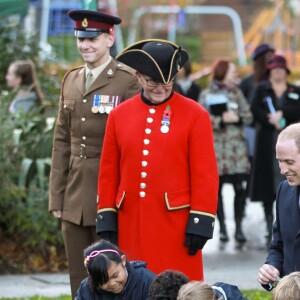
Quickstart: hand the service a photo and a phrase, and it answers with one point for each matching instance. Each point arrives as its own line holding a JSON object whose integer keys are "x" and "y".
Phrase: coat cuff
{"x": 107, "y": 220}
{"x": 201, "y": 223}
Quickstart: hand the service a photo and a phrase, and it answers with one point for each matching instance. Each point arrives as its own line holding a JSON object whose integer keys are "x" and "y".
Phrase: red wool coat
{"x": 155, "y": 180}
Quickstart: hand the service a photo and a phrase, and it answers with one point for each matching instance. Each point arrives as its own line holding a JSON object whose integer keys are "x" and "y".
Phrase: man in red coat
{"x": 158, "y": 180}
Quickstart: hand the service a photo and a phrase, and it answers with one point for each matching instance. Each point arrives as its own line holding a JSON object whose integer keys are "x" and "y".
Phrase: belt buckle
{"x": 82, "y": 151}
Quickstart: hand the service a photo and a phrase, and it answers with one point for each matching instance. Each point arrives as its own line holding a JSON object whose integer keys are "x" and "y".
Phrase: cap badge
{"x": 85, "y": 23}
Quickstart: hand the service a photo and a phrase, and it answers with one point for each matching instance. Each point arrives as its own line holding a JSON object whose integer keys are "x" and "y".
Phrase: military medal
{"x": 101, "y": 109}
{"x": 103, "y": 103}
{"x": 166, "y": 120}
{"x": 94, "y": 109}
{"x": 164, "y": 129}
{"x": 95, "y": 104}
{"x": 108, "y": 109}
{"x": 110, "y": 104}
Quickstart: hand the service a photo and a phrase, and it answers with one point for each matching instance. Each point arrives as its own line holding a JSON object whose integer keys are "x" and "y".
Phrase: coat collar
{"x": 102, "y": 80}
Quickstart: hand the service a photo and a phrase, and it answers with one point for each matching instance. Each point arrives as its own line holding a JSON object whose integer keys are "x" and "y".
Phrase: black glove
{"x": 107, "y": 226}
{"x": 195, "y": 243}
{"x": 110, "y": 236}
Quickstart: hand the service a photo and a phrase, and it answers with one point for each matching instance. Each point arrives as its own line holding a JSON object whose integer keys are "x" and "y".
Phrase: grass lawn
{"x": 256, "y": 295}
{"x": 249, "y": 294}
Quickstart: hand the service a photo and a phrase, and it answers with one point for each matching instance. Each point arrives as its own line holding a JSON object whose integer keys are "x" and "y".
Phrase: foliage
{"x": 191, "y": 44}
{"x": 25, "y": 155}
{"x": 64, "y": 47}
{"x": 256, "y": 294}
{"x": 15, "y": 44}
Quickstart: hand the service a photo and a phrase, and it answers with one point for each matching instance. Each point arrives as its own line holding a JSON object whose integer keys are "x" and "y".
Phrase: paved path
{"x": 229, "y": 262}
{"x": 50, "y": 285}
{"x": 233, "y": 262}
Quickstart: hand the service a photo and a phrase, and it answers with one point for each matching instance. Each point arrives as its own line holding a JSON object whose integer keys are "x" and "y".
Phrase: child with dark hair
{"x": 111, "y": 276}
{"x": 166, "y": 285}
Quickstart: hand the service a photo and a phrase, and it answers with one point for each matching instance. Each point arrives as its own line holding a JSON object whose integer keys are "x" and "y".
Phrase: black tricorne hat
{"x": 159, "y": 59}
{"x": 89, "y": 23}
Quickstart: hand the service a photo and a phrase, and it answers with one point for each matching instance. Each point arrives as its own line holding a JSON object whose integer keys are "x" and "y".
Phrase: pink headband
{"x": 97, "y": 252}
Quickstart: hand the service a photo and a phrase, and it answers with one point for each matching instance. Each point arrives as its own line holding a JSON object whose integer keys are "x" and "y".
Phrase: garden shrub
{"x": 29, "y": 234}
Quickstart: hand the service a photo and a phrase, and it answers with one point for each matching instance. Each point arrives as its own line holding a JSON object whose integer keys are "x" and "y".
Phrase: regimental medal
{"x": 101, "y": 109}
{"x": 108, "y": 109}
{"x": 165, "y": 128}
{"x": 96, "y": 102}
{"x": 104, "y": 103}
{"x": 94, "y": 109}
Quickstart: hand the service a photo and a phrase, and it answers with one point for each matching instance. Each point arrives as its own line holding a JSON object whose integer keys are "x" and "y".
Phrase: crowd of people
{"x": 155, "y": 164}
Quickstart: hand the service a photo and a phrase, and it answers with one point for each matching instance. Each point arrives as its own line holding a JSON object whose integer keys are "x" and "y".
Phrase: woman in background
{"x": 184, "y": 85}
{"x": 21, "y": 77}
{"x": 260, "y": 57}
{"x": 229, "y": 112}
{"x": 275, "y": 104}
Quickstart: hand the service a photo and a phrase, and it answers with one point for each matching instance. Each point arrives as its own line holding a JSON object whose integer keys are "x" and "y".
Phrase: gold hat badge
{"x": 85, "y": 23}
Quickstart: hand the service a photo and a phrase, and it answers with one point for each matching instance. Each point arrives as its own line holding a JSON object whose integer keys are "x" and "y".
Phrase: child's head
{"x": 166, "y": 285}
{"x": 103, "y": 261}
{"x": 196, "y": 290}
{"x": 288, "y": 288}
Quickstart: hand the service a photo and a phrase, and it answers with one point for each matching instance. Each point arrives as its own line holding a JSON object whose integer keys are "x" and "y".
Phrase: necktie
{"x": 88, "y": 80}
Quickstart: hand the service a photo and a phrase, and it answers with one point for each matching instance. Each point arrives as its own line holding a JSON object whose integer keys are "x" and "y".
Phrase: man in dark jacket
{"x": 283, "y": 257}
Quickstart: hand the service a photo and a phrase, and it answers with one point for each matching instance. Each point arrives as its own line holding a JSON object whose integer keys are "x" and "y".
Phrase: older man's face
{"x": 288, "y": 156}
{"x": 155, "y": 92}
